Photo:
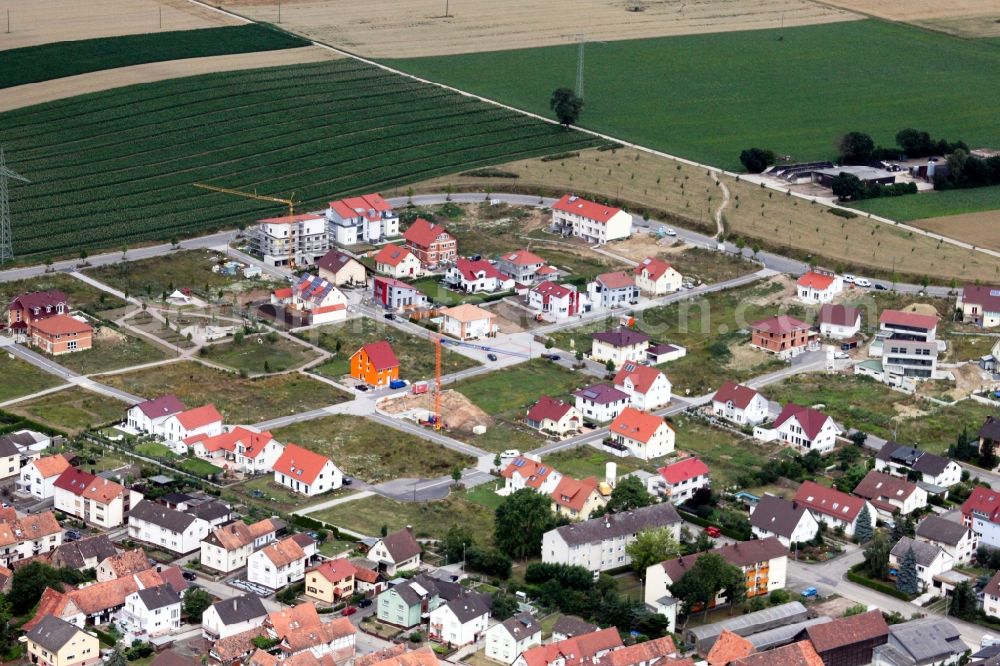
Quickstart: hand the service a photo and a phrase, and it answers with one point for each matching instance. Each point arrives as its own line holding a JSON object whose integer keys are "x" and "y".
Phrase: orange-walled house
{"x": 375, "y": 363}
{"x": 782, "y": 335}
{"x": 61, "y": 334}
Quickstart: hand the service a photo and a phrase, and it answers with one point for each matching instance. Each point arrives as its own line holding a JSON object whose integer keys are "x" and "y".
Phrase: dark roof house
{"x": 849, "y": 641}
{"x": 777, "y": 516}
{"x": 622, "y": 337}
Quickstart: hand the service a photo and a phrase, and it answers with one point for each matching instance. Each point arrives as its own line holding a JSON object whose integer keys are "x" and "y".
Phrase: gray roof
{"x": 157, "y": 514}
{"x": 777, "y": 516}
{"x": 401, "y": 545}
{"x": 772, "y": 638}
{"x": 936, "y": 528}
{"x": 433, "y": 587}
{"x": 923, "y": 641}
{"x": 469, "y": 606}
{"x": 75, "y": 553}
{"x": 619, "y": 524}
{"x": 52, "y": 633}
{"x": 571, "y": 625}
{"x": 522, "y": 625}
{"x": 8, "y": 447}
{"x": 209, "y": 510}
{"x": 916, "y": 459}
{"x": 704, "y": 637}
{"x": 240, "y": 609}
{"x": 925, "y": 552}
{"x": 159, "y": 596}
{"x": 931, "y": 463}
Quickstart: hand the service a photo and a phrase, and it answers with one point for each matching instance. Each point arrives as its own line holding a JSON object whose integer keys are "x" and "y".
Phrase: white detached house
{"x": 739, "y": 404}
{"x": 506, "y": 640}
{"x": 803, "y": 428}
{"x": 282, "y": 563}
{"x": 306, "y": 472}
{"x": 204, "y": 420}
{"x": 647, "y": 387}
{"x": 149, "y": 416}
{"x": 640, "y": 434}
{"x": 461, "y": 621}
{"x": 151, "y": 612}
{"x": 38, "y": 477}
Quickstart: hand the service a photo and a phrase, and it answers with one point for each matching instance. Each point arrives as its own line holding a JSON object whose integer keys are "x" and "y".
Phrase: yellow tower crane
{"x": 291, "y": 203}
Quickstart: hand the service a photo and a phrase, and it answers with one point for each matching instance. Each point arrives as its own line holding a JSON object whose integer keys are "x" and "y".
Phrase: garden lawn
{"x": 267, "y": 355}
{"x": 415, "y": 354}
{"x": 72, "y": 410}
{"x": 263, "y": 490}
{"x": 371, "y": 451}
{"x": 742, "y": 89}
{"x": 158, "y": 276}
{"x": 154, "y": 450}
{"x": 22, "y": 378}
{"x": 81, "y": 295}
{"x": 112, "y": 354}
{"x": 240, "y": 400}
{"x": 429, "y": 519}
{"x": 484, "y": 494}
{"x": 200, "y": 467}
{"x": 584, "y": 461}
{"x": 934, "y": 204}
{"x": 727, "y": 455}
{"x": 437, "y": 293}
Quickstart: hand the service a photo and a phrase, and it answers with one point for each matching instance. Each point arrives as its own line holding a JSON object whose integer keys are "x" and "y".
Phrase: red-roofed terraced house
{"x": 301, "y": 237}
{"x": 375, "y": 364}
{"x": 364, "y": 219}
{"x": 431, "y": 243}
{"x": 554, "y": 416}
{"x": 678, "y": 482}
{"x": 306, "y": 472}
{"x": 782, "y": 335}
{"x": 593, "y": 222}
{"x": 90, "y": 498}
{"x": 818, "y": 286}
{"x": 804, "y": 428}
{"x": 558, "y": 301}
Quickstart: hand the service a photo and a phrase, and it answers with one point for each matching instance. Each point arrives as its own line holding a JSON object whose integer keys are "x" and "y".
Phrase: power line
{"x": 6, "y": 246}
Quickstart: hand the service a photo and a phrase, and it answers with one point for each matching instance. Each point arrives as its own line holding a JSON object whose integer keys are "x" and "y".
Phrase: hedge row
{"x": 878, "y": 586}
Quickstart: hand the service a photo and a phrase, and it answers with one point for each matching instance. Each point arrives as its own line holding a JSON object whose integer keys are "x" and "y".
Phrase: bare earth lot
{"x": 965, "y": 18}
{"x": 981, "y": 229}
{"x": 407, "y": 28}
{"x": 46, "y": 91}
{"x": 35, "y": 22}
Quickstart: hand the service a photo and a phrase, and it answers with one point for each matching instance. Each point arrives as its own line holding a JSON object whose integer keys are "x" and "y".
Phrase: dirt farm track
{"x": 409, "y": 28}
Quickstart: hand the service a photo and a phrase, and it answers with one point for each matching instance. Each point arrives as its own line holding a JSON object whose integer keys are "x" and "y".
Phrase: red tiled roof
{"x": 739, "y": 394}
{"x": 283, "y": 293}
{"x": 584, "y": 208}
{"x": 552, "y": 290}
{"x": 813, "y": 280}
{"x": 253, "y": 442}
{"x": 199, "y": 417}
{"x": 574, "y": 651}
{"x": 301, "y": 464}
{"x": 616, "y": 280}
{"x": 573, "y": 494}
{"x": 838, "y": 315}
{"x": 984, "y": 501}
{"x": 471, "y": 270}
{"x": 336, "y": 570}
{"x": 284, "y": 552}
{"x": 848, "y": 630}
{"x": 548, "y": 408}
{"x": 642, "y": 376}
{"x": 380, "y": 355}
{"x": 61, "y": 325}
{"x": 912, "y": 319}
{"x": 642, "y": 653}
{"x": 636, "y": 424}
{"x": 829, "y": 501}
{"x": 51, "y": 465}
{"x": 782, "y": 324}
{"x": 654, "y": 267}
{"x": 392, "y": 255}
{"x": 728, "y": 647}
{"x": 522, "y": 258}
{"x": 683, "y": 470}
{"x": 533, "y": 471}
{"x": 423, "y": 233}
{"x": 811, "y": 420}
{"x": 89, "y": 486}
{"x": 361, "y": 206}
{"x": 796, "y": 654}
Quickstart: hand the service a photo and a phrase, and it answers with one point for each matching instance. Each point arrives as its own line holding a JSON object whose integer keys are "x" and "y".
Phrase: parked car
{"x": 880, "y": 287}
{"x": 863, "y": 282}
{"x": 350, "y": 610}
{"x": 809, "y": 592}
{"x": 389, "y": 315}
{"x": 189, "y": 575}
{"x": 509, "y": 454}
{"x": 848, "y": 278}
{"x": 670, "y": 232}
{"x": 365, "y": 603}
{"x": 348, "y": 481}
{"x": 491, "y": 356}
{"x": 713, "y": 531}
{"x": 71, "y": 535}
{"x": 362, "y": 387}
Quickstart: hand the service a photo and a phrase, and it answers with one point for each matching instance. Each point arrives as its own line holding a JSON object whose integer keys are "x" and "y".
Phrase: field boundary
{"x": 608, "y": 137}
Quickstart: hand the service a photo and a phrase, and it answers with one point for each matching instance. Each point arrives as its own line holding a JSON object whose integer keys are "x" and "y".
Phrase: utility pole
{"x": 447, "y": 4}
{"x": 279, "y": 11}
{"x": 6, "y": 245}
{"x": 161, "y": 17}
{"x": 579, "y": 65}
{"x": 8, "y": 20}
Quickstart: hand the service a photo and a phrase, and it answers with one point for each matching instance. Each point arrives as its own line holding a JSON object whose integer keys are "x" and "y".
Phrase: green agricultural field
{"x": 795, "y": 90}
{"x": 318, "y": 130}
{"x": 934, "y": 204}
{"x": 56, "y": 60}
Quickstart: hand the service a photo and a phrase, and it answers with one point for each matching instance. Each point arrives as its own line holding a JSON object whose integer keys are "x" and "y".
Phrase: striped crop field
{"x": 117, "y": 167}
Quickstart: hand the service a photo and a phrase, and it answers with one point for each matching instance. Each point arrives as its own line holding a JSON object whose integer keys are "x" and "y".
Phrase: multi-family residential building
{"x": 409, "y": 603}
{"x": 331, "y": 581}
{"x": 460, "y": 621}
{"x": 836, "y": 509}
{"x": 431, "y": 243}
{"x": 396, "y": 552}
{"x": 506, "y": 640}
{"x": 613, "y": 290}
{"x": 476, "y": 276}
{"x": 739, "y": 404}
{"x": 468, "y": 322}
{"x": 227, "y": 548}
{"x": 281, "y": 563}
{"x": 656, "y": 277}
{"x": 954, "y": 538}
{"x": 559, "y": 301}
{"x": 782, "y": 335}
{"x": 679, "y": 481}
{"x": 818, "y": 286}
{"x": 576, "y": 499}
{"x": 375, "y": 363}
{"x": 28, "y": 536}
{"x": 167, "y": 529}
{"x": 909, "y": 358}
{"x": 342, "y": 269}
{"x": 900, "y": 325}
{"x": 788, "y": 522}
{"x": 291, "y": 240}
{"x": 980, "y": 304}
{"x": 393, "y": 294}
{"x": 640, "y": 434}
{"x": 579, "y": 650}
{"x": 554, "y": 416}
{"x": 981, "y": 513}
{"x": 232, "y": 616}
{"x": 311, "y": 300}
{"x": 934, "y": 470}
{"x": 647, "y": 387}
{"x": 150, "y": 612}
{"x": 593, "y": 222}
{"x": 891, "y": 494}
{"x": 600, "y": 402}
{"x": 522, "y": 266}
{"x": 61, "y": 334}
{"x": 91, "y": 498}
{"x": 764, "y": 563}
{"x": 931, "y": 561}
{"x": 839, "y": 321}
{"x": 38, "y": 477}
{"x": 804, "y": 428}
{"x": 148, "y": 417}
{"x": 363, "y": 219}
{"x": 526, "y": 472}
{"x": 398, "y": 262}
{"x": 599, "y": 544}
{"x": 306, "y": 472}
{"x": 32, "y": 307}
{"x": 56, "y": 642}
{"x": 619, "y": 346}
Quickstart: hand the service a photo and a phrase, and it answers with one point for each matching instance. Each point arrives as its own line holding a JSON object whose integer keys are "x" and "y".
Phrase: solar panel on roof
{"x": 542, "y": 470}
{"x": 994, "y": 292}
{"x": 590, "y": 394}
{"x": 519, "y": 462}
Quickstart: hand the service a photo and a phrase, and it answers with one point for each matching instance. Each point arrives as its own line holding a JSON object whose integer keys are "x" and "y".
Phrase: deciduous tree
{"x": 520, "y": 521}
{"x": 566, "y": 105}
{"x": 651, "y": 547}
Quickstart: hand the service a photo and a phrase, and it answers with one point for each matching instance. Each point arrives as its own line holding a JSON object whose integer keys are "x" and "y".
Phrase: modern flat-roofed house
{"x": 678, "y": 481}
{"x": 61, "y": 334}
{"x": 619, "y": 346}
{"x": 297, "y": 240}
{"x": 306, "y": 472}
{"x": 507, "y": 639}
{"x": 363, "y": 219}
{"x": 396, "y": 552}
{"x": 656, "y": 277}
{"x": 788, "y": 522}
{"x": 933, "y": 470}
{"x": 980, "y": 304}
{"x": 613, "y": 290}
{"x": 593, "y": 222}
{"x": 839, "y": 321}
{"x": 599, "y": 544}
{"x": 818, "y": 286}
{"x": 342, "y": 269}
{"x": 832, "y": 507}
{"x": 398, "y": 262}
{"x": 648, "y": 388}
{"x": 782, "y": 335}
{"x": 431, "y": 243}
{"x": 739, "y": 404}
{"x": 891, "y": 494}
{"x": 232, "y": 616}
{"x": 522, "y": 266}
{"x": 952, "y": 537}
{"x": 600, "y": 402}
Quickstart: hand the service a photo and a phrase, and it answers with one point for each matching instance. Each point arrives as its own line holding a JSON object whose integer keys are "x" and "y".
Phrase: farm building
{"x": 824, "y": 177}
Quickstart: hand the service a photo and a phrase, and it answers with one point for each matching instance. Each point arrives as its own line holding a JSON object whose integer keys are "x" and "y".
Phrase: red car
{"x": 350, "y": 610}
{"x": 713, "y": 531}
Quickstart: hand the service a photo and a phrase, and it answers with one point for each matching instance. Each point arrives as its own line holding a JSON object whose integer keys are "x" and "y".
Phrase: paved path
{"x": 334, "y": 502}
